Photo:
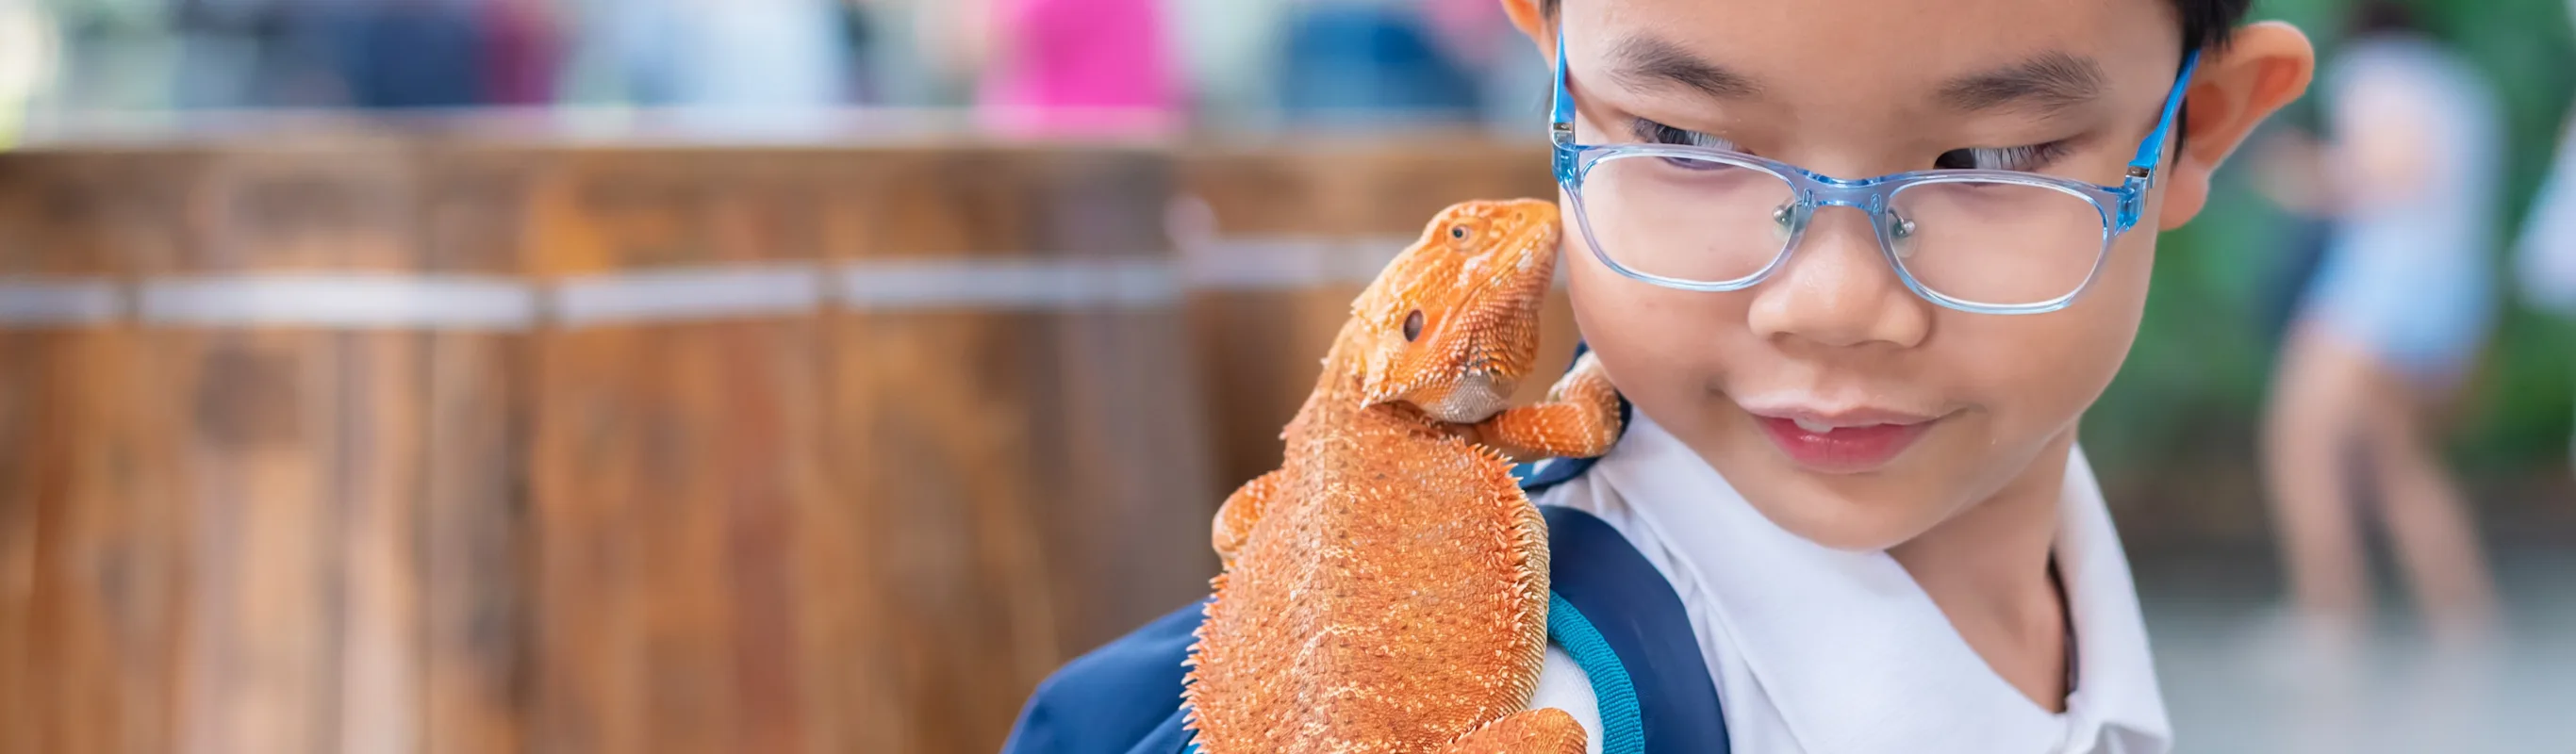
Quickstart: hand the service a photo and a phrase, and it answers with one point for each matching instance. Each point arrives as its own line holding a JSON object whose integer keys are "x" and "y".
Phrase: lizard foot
{"x": 1538, "y": 731}
{"x": 1579, "y": 419}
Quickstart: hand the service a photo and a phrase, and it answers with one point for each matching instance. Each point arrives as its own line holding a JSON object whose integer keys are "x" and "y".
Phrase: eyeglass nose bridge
{"x": 1869, "y": 197}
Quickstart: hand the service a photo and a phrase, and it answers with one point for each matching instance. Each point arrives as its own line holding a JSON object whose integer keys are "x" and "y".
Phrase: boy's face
{"x": 1931, "y": 409}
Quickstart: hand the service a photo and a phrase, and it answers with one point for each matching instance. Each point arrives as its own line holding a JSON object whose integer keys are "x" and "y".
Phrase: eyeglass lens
{"x": 1713, "y": 222}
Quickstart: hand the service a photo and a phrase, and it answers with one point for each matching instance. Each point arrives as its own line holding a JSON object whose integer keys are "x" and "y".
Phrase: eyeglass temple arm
{"x": 2151, "y": 152}
{"x": 1561, "y": 108}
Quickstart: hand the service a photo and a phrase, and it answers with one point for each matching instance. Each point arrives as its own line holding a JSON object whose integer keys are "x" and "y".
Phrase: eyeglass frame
{"x": 1573, "y": 162}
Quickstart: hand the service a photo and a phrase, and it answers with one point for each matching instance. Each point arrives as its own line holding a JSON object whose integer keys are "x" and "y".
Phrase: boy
{"x": 1848, "y": 513}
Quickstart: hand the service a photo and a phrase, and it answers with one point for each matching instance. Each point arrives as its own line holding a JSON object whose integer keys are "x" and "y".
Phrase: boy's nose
{"x": 1836, "y": 289}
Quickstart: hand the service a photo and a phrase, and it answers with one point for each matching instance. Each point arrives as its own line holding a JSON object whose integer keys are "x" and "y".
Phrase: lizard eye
{"x": 1458, "y": 232}
{"x": 1413, "y": 326}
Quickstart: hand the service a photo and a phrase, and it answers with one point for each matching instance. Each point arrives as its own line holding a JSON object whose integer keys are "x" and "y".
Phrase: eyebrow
{"x": 1647, "y": 62}
{"x": 2048, "y": 81}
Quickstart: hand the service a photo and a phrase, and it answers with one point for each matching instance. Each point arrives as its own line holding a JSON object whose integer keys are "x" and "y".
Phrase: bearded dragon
{"x": 1386, "y": 589}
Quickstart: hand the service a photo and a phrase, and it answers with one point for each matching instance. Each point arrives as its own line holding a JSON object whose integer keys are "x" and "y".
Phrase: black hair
{"x": 2205, "y": 23}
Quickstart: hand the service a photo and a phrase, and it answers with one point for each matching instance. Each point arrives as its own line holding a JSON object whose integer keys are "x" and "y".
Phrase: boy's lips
{"x": 1843, "y": 441}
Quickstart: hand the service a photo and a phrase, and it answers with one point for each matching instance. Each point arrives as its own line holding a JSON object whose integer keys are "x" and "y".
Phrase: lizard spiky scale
{"x": 1386, "y": 589}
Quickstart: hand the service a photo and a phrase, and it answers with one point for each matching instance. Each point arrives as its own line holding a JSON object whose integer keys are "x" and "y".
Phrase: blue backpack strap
{"x": 1123, "y": 698}
{"x": 1614, "y": 613}
{"x": 1624, "y": 625}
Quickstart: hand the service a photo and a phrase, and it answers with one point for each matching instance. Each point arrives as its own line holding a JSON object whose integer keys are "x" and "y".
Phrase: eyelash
{"x": 1657, "y": 133}
{"x": 2023, "y": 158}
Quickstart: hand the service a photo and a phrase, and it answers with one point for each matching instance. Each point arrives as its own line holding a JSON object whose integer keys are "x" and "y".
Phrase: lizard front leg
{"x": 1241, "y": 511}
{"x": 1538, "y": 731}
{"x": 1579, "y": 419}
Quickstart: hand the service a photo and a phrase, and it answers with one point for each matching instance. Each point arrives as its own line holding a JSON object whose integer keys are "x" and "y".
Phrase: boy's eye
{"x": 2018, "y": 159}
{"x": 1657, "y": 133}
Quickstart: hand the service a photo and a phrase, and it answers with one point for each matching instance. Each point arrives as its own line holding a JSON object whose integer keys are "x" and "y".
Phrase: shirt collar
{"x": 1856, "y": 657}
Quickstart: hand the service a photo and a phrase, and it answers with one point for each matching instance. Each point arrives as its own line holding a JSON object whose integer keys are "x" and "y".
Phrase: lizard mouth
{"x": 1478, "y": 396}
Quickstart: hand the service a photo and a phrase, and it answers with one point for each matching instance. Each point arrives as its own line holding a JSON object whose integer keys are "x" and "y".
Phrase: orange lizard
{"x": 1386, "y": 589}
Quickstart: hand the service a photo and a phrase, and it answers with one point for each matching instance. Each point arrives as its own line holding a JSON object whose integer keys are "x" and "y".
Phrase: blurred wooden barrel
{"x": 844, "y": 450}
{"x": 384, "y": 445}
{"x": 1279, "y": 237}
{"x": 272, "y": 495}
{"x": 378, "y": 444}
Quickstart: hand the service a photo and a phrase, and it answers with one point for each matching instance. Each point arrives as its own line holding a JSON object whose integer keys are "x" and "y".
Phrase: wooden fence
{"x": 416, "y": 445}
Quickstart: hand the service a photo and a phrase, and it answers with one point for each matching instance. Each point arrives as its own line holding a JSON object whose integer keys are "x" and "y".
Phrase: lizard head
{"x": 1451, "y": 325}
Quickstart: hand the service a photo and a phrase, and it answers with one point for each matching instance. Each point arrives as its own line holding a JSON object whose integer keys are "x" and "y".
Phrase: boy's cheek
{"x": 1667, "y": 351}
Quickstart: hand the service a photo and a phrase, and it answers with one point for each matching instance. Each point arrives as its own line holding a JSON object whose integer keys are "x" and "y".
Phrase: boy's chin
{"x": 1843, "y": 513}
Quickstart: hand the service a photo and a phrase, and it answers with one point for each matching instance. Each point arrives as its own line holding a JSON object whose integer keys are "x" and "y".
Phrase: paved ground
{"x": 2238, "y": 677}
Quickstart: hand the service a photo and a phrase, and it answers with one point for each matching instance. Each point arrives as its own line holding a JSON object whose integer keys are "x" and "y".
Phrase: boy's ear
{"x": 2264, "y": 66}
{"x": 1527, "y": 17}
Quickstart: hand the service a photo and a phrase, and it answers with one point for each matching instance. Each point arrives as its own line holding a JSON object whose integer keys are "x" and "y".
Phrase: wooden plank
{"x": 1125, "y": 446}
{"x": 672, "y": 461}
{"x": 22, "y": 351}
{"x": 18, "y": 527}
{"x": 932, "y": 411}
{"x": 859, "y": 701}
{"x": 303, "y": 450}
{"x": 754, "y": 383}
{"x": 378, "y": 477}
{"x": 104, "y": 585}
{"x": 475, "y": 553}
{"x": 589, "y": 650}
{"x": 264, "y": 650}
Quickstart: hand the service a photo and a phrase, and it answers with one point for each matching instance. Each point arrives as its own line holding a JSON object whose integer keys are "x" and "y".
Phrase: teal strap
{"x": 1623, "y": 728}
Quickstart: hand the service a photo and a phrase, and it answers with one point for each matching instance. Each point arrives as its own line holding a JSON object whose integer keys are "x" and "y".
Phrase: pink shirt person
{"x": 1079, "y": 67}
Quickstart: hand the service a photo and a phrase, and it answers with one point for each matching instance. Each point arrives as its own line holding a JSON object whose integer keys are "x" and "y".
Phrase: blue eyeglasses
{"x": 1986, "y": 241}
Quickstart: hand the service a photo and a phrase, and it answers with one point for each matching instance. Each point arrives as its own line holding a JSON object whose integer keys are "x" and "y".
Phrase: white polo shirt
{"x": 1824, "y": 651}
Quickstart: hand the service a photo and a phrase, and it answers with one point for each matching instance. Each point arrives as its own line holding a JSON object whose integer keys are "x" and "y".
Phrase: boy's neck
{"x": 1988, "y": 570}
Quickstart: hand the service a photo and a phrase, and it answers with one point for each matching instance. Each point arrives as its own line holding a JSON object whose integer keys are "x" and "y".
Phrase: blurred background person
{"x": 522, "y": 52}
{"x": 1372, "y": 62}
{"x": 1228, "y": 51}
{"x": 230, "y": 55}
{"x": 1072, "y": 66}
{"x": 743, "y": 63}
{"x": 2287, "y": 166}
{"x": 26, "y": 61}
{"x": 2395, "y": 319}
{"x": 363, "y": 54}
{"x": 402, "y": 53}
{"x": 1512, "y": 85}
